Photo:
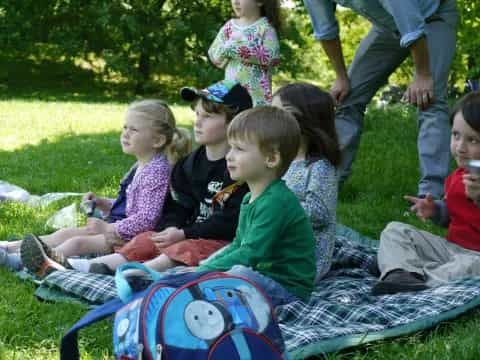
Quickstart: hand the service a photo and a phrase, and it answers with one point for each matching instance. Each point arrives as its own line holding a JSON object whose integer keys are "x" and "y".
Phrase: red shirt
{"x": 464, "y": 227}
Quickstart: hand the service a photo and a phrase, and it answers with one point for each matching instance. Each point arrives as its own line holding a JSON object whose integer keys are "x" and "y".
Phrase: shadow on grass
{"x": 47, "y": 80}
{"x": 67, "y": 163}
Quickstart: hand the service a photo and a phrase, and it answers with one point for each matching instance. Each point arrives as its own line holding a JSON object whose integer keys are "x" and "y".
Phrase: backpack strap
{"x": 223, "y": 195}
{"x": 69, "y": 344}
{"x": 124, "y": 290}
{"x": 241, "y": 345}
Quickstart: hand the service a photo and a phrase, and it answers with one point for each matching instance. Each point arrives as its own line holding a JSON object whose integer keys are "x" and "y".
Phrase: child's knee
{"x": 394, "y": 227}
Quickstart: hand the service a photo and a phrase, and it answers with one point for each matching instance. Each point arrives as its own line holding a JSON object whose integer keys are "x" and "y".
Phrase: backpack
{"x": 188, "y": 316}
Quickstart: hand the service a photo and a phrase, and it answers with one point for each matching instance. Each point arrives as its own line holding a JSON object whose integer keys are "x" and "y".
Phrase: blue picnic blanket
{"x": 341, "y": 312}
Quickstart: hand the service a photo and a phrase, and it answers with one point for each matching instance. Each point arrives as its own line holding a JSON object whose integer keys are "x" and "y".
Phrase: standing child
{"x": 274, "y": 243}
{"x": 149, "y": 134}
{"x": 312, "y": 175}
{"x": 410, "y": 259}
{"x": 201, "y": 214}
{"x": 248, "y": 48}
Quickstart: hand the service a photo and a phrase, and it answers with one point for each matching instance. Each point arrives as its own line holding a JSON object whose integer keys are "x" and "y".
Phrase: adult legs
{"x": 377, "y": 56}
{"x": 433, "y": 123}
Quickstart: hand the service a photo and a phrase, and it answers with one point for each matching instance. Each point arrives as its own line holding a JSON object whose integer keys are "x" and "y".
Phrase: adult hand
{"x": 168, "y": 237}
{"x": 340, "y": 89}
{"x": 472, "y": 187}
{"x": 420, "y": 91}
{"x": 423, "y": 208}
{"x": 96, "y": 226}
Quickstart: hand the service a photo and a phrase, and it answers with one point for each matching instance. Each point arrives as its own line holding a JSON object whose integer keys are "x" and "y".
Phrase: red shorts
{"x": 189, "y": 252}
{"x": 140, "y": 248}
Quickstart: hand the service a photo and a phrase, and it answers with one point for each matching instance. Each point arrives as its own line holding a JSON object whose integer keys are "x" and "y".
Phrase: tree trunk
{"x": 144, "y": 69}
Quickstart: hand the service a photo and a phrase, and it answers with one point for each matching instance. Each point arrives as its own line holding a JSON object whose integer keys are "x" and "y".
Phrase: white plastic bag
{"x": 12, "y": 192}
{"x": 47, "y": 199}
{"x": 66, "y": 217}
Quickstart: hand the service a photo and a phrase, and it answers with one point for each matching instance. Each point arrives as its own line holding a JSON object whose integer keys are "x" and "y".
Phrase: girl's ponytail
{"x": 178, "y": 141}
{"x": 180, "y": 146}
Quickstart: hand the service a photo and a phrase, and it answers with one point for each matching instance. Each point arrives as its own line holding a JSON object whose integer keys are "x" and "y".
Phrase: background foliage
{"x": 88, "y": 58}
{"x": 147, "y": 45}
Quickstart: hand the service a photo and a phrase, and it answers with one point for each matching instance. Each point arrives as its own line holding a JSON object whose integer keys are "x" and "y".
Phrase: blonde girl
{"x": 151, "y": 136}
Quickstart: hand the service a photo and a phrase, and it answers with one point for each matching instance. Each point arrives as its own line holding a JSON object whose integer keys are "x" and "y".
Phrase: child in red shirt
{"x": 411, "y": 259}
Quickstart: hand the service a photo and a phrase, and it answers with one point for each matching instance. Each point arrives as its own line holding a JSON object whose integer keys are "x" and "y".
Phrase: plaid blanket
{"x": 341, "y": 311}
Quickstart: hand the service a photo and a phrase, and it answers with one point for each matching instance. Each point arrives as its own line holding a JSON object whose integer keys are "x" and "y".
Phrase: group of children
{"x": 227, "y": 194}
{"x": 258, "y": 196}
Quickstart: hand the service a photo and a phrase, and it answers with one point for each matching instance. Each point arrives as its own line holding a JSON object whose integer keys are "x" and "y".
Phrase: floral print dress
{"x": 316, "y": 186}
{"x": 248, "y": 54}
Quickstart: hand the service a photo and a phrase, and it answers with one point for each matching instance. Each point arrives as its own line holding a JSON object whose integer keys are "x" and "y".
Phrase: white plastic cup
{"x": 473, "y": 167}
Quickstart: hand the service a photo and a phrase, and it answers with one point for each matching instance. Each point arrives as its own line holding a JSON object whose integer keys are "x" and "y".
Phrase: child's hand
{"x": 89, "y": 196}
{"x": 472, "y": 187}
{"x": 423, "y": 208}
{"x": 104, "y": 205}
{"x": 96, "y": 226}
{"x": 168, "y": 237}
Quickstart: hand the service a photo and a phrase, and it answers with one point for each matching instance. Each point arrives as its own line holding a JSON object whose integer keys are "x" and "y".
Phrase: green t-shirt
{"x": 275, "y": 238}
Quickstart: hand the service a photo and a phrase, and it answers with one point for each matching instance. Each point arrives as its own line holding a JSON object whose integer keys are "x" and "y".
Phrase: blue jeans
{"x": 277, "y": 293}
{"x": 376, "y": 58}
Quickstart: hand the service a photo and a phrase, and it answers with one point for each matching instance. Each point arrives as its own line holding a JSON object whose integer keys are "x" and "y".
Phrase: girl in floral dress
{"x": 313, "y": 176}
{"x": 247, "y": 47}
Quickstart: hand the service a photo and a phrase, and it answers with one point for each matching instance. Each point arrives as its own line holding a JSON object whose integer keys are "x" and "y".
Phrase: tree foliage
{"x": 136, "y": 39}
{"x": 149, "y": 42}
{"x": 467, "y": 64}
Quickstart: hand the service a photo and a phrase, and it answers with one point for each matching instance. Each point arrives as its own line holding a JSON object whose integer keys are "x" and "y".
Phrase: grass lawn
{"x": 73, "y": 146}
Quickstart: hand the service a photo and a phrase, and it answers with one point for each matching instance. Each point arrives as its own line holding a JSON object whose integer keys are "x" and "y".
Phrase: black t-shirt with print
{"x": 195, "y": 181}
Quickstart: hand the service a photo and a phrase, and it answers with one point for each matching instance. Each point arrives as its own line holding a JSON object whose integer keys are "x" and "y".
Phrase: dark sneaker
{"x": 101, "y": 268}
{"x": 35, "y": 259}
{"x": 53, "y": 255}
{"x": 399, "y": 281}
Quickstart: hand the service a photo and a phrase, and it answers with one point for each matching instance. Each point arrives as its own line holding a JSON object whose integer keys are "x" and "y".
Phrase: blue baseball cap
{"x": 227, "y": 92}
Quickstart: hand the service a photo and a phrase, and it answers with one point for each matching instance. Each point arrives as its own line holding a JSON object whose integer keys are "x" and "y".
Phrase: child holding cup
{"x": 411, "y": 259}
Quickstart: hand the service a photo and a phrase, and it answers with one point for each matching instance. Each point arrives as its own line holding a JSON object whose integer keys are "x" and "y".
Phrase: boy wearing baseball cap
{"x": 201, "y": 212}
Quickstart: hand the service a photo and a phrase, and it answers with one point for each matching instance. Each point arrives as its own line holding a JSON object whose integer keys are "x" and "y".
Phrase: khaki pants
{"x": 403, "y": 246}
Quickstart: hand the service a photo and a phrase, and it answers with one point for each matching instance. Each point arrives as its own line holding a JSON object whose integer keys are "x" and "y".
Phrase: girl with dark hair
{"x": 312, "y": 176}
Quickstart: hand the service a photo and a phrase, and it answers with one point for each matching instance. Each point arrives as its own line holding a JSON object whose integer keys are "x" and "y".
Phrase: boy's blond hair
{"x": 272, "y": 129}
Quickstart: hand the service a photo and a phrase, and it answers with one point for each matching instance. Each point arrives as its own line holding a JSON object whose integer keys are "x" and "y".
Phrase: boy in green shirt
{"x": 274, "y": 242}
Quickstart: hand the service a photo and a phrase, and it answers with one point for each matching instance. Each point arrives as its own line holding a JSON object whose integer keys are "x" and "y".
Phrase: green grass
{"x": 72, "y": 145}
